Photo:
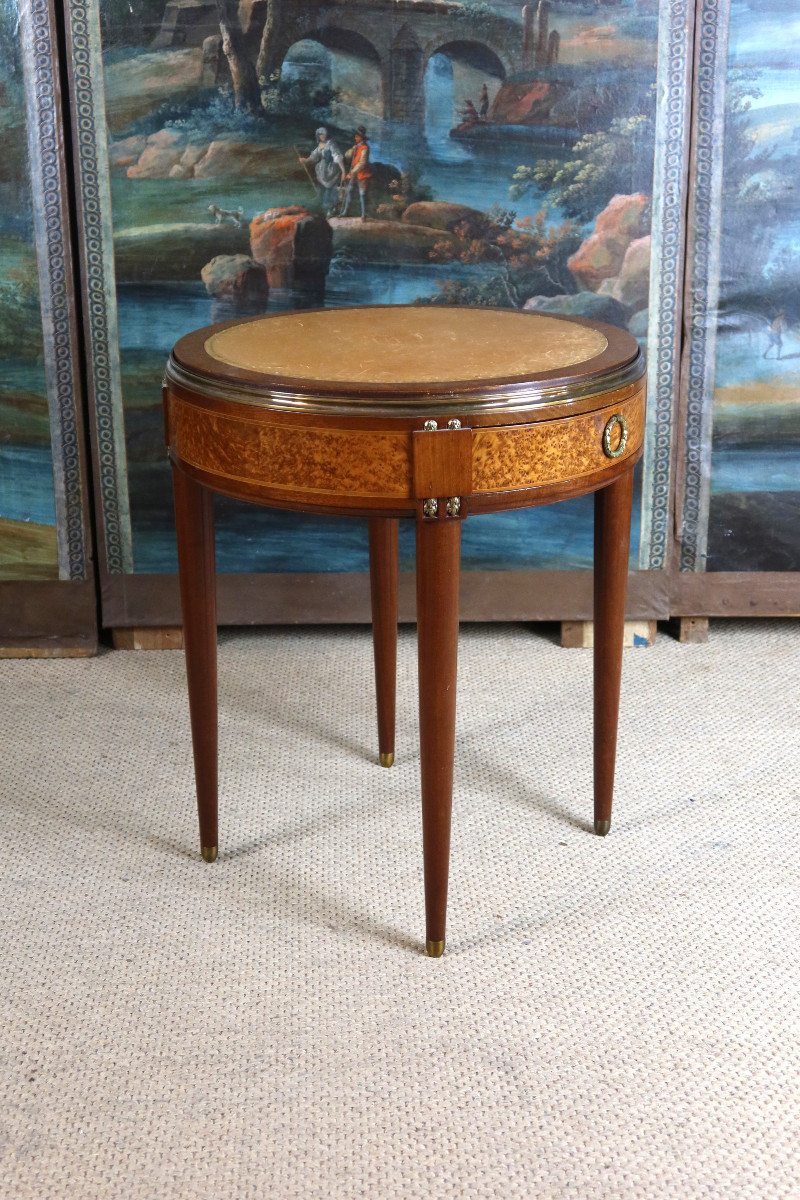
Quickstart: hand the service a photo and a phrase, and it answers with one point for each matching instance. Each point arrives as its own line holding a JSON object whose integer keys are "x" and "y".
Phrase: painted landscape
{"x": 755, "y": 464}
{"x": 28, "y": 545}
{"x": 510, "y": 163}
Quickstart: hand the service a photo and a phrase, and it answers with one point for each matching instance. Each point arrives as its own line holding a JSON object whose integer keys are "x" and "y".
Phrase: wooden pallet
{"x": 148, "y": 637}
{"x": 576, "y": 634}
{"x": 691, "y": 630}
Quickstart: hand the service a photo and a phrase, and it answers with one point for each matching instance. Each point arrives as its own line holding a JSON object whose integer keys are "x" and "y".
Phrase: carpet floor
{"x": 613, "y": 1018}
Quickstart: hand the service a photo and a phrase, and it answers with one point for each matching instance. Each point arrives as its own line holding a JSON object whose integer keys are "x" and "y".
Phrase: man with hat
{"x": 360, "y": 170}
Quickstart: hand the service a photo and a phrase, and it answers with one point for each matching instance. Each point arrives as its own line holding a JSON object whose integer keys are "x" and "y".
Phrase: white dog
{"x": 226, "y": 214}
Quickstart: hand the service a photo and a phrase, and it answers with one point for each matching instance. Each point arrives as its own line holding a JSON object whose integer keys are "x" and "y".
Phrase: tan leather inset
{"x": 405, "y": 345}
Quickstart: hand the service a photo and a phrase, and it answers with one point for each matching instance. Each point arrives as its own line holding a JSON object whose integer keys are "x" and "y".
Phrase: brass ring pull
{"x": 617, "y": 419}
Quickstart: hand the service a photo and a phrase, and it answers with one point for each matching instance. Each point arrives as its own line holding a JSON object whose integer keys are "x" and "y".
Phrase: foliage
{"x": 531, "y": 259}
{"x": 782, "y": 275}
{"x": 304, "y": 98}
{"x": 205, "y": 114}
{"x": 490, "y": 292}
{"x": 404, "y": 189}
{"x": 758, "y": 192}
{"x": 617, "y": 161}
{"x": 478, "y": 13}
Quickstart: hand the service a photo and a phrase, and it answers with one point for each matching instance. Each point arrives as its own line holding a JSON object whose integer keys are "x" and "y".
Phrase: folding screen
{"x": 739, "y": 461}
{"x": 526, "y": 156}
{"x": 47, "y": 585}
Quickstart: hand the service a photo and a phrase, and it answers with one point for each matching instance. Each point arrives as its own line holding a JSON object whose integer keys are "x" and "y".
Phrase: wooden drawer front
{"x": 292, "y": 458}
{"x": 514, "y": 457}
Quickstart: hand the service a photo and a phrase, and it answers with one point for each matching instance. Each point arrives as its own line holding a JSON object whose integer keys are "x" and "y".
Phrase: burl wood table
{"x": 427, "y": 413}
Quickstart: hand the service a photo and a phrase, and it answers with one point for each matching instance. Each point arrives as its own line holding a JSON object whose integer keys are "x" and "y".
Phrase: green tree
{"x": 618, "y": 161}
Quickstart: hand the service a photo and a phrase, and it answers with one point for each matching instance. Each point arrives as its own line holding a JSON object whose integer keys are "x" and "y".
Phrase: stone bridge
{"x": 399, "y": 37}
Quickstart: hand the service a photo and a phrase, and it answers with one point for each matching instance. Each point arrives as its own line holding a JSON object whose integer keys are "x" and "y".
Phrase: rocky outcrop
{"x": 127, "y": 151}
{"x": 632, "y": 285}
{"x": 294, "y": 246}
{"x": 638, "y": 323}
{"x": 624, "y": 220}
{"x": 583, "y": 304}
{"x": 534, "y": 102}
{"x": 168, "y": 252}
{"x": 245, "y": 160}
{"x": 235, "y": 277}
{"x": 161, "y": 153}
{"x": 172, "y": 154}
{"x": 388, "y": 241}
{"x": 437, "y": 214}
{"x": 184, "y": 167}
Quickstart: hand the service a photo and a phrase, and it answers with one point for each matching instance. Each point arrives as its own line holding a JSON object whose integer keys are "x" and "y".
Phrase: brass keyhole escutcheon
{"x": 617, "y": 419}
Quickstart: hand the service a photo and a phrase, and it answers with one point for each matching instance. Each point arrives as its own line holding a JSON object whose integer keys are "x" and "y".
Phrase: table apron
{"x": 253, "y": 455}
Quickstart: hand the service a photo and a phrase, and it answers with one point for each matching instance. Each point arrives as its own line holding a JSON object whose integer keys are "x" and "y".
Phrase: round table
{"x": 428, "y": 413}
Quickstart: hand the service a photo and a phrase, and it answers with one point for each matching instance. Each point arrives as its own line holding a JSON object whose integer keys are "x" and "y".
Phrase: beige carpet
{"x": 613, "y": 1018}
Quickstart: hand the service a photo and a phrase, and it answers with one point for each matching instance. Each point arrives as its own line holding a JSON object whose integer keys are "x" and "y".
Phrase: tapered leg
{"x": 383, "y": 539}
{"x": 194, "y": 516}
{"x": 438, "y": 560}
{"x": 612, "y": 529}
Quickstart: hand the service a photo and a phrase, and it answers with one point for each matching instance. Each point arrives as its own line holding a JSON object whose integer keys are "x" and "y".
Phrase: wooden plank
{"x": 580, "y": 634}
{"x": 50, "y": 648}
{"x": 163, "y": 637}
{"x": 46, "y": 615}
{"x": 339, "y": 597}
{"x": 735, "y": 593}
{"x": 343, "y": 598}
{"x": 689, "y": 630}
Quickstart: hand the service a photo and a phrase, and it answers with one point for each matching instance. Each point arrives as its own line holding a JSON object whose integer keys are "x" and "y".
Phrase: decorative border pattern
{"x": 702, "y": 292}
{"x": 100, "y": 305}
{"x": 666, "y": 291}
{"x": 55, "y": 277}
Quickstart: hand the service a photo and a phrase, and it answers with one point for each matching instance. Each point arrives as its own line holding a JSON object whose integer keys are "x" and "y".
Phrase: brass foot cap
{"x": 434, "y": 949}
{"x": 601, "y": 828}
{"x": 387, "y": 759}
{"x": 209, "y": 853}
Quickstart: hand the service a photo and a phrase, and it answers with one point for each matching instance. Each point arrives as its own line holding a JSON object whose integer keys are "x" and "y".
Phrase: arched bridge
{"x": 399, "y": 37}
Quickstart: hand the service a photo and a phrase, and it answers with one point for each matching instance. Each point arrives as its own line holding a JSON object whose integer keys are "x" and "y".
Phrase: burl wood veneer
{"x": 418, "y": 412}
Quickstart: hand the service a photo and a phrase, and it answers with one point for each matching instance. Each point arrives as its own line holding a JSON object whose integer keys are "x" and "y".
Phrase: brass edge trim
{"x": 528, "y": 397}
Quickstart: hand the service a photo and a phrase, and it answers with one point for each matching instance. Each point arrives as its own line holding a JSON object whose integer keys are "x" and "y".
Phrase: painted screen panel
{"x": 28, "y": 542}
{"x": 43, "y": 512}
{"x": 517, "y": 156}
{"x": 754, "y": 510}
{"x": 741, "y": 474}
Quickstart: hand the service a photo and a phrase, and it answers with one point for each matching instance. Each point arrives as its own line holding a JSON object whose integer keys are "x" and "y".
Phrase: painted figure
{"x": 469, "y": 115}
{"x": 328, "y": 163}
{"x": 775, "y": 333}
{"x": 483, "y": 105}
{"x": 360, "y": 171}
